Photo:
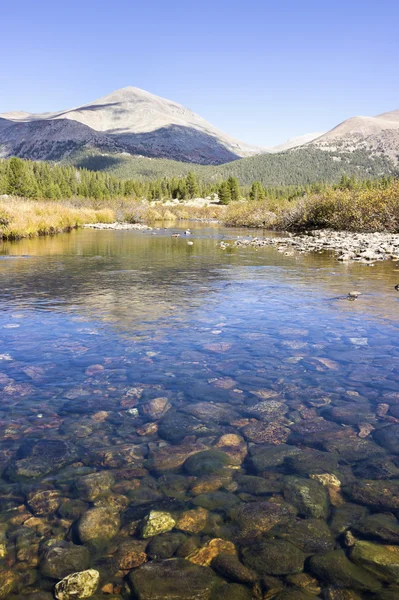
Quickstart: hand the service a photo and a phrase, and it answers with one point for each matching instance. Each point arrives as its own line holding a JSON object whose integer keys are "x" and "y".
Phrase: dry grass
{"x": 143, "y": 212}
{"x": 28, "y": 218}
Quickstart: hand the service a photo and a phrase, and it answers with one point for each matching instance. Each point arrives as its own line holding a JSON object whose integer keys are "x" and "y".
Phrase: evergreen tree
{"x": 257, "y": 192}
{"x": 192, "y": 189}
{"x": 224, "y": 193}
{"x": 234, "y": 186}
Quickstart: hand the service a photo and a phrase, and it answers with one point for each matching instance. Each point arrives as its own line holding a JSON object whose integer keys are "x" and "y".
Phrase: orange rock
{"x": 205, "y": 555}
{"x": 192, "y": 521}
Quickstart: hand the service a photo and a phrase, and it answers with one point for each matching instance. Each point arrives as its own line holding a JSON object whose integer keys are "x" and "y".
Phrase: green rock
{"x": 216, "y": 501}
{"x": 309, "y": 462}
{"x": 62, "y": 559}
{"x": 164, "y": 546}
{"x": 381, "y": 495}
{"x": 78, "y": 585}
{"x": 382, "y": 527}
{"x": 157, "y": 522}
{"x": 231, "y": 591}
{"x": 91, "y": 486}
{"x": 295, "y": 595}
{"x": 98, "y": 523}
{"x": 7, "y": 582}
{"x": 174, "y": 578}
{"x": 263, "y": 458}
{"x": 388, "y": 437}
{"x": 274, "y": 557}
{"x": 335, "y": 568}
{"x": 258, "y": 486}
{"x": 345, "y": 515}
{"x": 353, "y": 449}
{"x": 253, "y": 519}
{"x": 206, "y": 463}
{"x": 231, "y": 568}
{"x": 377, "y": 559}
{"x": 309, "y": 535}
{"x": 309, "y": 496}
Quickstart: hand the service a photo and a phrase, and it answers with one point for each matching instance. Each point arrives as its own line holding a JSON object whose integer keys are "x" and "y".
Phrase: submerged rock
{"x": 7, "y": 582}
{"x": 93, "y": 485}
{"x": 255, "y": 518}
{"x": 36, "y": 458}
{"x": 382, "y": 495}
{"x": 309, "y": 535}
{"x": 263, "y": 458}
{"x": 78, "y": 585}
{"x": 275, "y": 557}
{"x": 383, "y": 527}
{"x": 381, "y": 561}
{"x": 206, "y": 462}
{"x": 98, "y": 523}
{"x": 230, "y": 567}
{"x": 157, "y": 522}
{"x": 172, "y": 578}
{"x": 62, "y": 559}
{"x": 308, "y": 496}
{"x": 388, "y": 437}
{"x": 335, "y": 568}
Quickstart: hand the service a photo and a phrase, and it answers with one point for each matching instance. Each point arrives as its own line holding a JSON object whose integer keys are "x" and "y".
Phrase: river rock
{"x": 93, "y": 485}
{"x": 206, "y": 463}
{"x": 223, "y": 501}
{"x": 380, "y": 467}
{"x": 383, "y": 527}
{"x": 44, "y": 502}
{"x": 335, "y": 568}
{"x": 295, "y": 595}
{"x": 204, "y": 556}
{"x": 157, "y": 522}
{"x": 167, "y": 458}
{"x": 192, "y": 521}
{"x": 207, "y": 411}
{"x": 345, "y": 515}
{"x": 38, "y": 458}
{"x": 172, "y": 578}
{"x": 131, "y": 554}
{"x": 7, "y": 582}
{"x": 381, "y": 495}
{"x": 175, "y": 426}
{"x": 309, "y": 535}
{"x": 312, "y": 462}
{"x": 267, "y": 410}
{"x": 230, "y": 567}
{"x": 78, "y": 585}
{"x": 262, "y": 433}
{"x": 353, "y": 448}
{"x": 234, "y": 446}
{"x": 265, "y": 457}
{"x": 308, "y": 496}
{"x": 98, "y": 523}
{"x": 62, "y": 559}
{"x": 388, "y": 437}
{"x": 258, "y": 486}
{"x": 381, "y": 561}
{"x": 156, "y": 408}
{"x": 164, "y": 546}
{"x": 274, "y": 557}
{"x": 256, "y": 518}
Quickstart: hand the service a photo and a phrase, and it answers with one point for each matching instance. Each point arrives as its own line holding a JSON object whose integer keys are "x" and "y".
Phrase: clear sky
{"x": 261, "y": 70}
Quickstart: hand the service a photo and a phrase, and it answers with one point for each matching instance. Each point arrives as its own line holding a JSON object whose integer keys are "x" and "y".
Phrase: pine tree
{"x": 234, "y": 186}
{"x": 192, "y": 186}
{"x": 257, "y": 192}
{"x": 224, "y": 193}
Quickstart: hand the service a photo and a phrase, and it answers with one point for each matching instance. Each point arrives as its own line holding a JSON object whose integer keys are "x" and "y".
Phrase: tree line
{"x": 44, "y": 180}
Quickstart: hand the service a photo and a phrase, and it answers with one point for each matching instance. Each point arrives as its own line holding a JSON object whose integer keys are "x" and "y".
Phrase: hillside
{"x": 296, "y": 167}
{"x": 129, "y": 119}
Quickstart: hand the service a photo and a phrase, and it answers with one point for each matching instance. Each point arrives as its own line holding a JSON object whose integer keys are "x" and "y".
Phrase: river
{"x": 192, "y": 422}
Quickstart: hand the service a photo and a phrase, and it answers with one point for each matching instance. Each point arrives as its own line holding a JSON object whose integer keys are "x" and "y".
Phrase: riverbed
{"x": 184, "y": 420}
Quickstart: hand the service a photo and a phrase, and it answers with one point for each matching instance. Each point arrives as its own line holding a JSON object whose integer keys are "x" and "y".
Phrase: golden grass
{"x": 142, "y": 212}
{"x": 28, "y": 218}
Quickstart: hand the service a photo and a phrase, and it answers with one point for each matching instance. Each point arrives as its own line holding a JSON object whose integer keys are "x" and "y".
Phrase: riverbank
{"x": 29, "y": 218}
{"x": 366, "y": 248}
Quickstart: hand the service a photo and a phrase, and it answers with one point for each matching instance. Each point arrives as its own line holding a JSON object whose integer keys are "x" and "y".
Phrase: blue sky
{"x": 263, "y": 71}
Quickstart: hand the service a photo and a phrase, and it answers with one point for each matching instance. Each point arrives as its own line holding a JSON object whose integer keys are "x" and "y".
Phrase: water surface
{"x": 125, "y": 353}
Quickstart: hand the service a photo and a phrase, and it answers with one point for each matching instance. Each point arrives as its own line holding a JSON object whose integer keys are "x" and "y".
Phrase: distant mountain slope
{"x": 295, "y": 142}
{"x": 140, "y": 123}
{"x": 375, "y": 135}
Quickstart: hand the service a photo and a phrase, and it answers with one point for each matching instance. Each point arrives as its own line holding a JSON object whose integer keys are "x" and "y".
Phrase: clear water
{"x": 96, "y": 325}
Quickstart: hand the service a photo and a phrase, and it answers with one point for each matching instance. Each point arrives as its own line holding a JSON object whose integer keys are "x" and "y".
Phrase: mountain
{"x": 295, "y": 142}
{"x": 376, "y": 135}
{"x": 128, "y": 120}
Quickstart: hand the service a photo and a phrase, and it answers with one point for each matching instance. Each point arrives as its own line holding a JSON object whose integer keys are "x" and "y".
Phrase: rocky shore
{"x": 363, "y": 247}
{"x": 117, "y": 226}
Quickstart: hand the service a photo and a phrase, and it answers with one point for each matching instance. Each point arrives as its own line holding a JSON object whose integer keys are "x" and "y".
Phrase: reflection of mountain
{"x": 132, "y": 279}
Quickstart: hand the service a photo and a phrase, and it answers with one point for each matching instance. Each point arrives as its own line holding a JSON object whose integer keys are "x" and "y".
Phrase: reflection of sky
{"x": 163, "y": 296}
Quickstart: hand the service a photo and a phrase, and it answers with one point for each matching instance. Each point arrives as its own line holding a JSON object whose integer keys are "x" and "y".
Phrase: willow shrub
{"x": 362, "y": 210}
{"x": 28, "y": 218}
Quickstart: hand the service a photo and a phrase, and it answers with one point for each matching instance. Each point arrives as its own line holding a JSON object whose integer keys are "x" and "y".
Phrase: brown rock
{"x": 192, "y": 521}
{"x": 156, "y": 408}
{"x": 7, "y": 582}
{"x": 44, "y": 502}
{"x": 205, "y": 555}
{"x": 263, "y": 433}
{"x": 172, "y": 457}
{"x": 131, "y": 554}
{"x": 234, "y": 446}
{"x": 147, "y": 429}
